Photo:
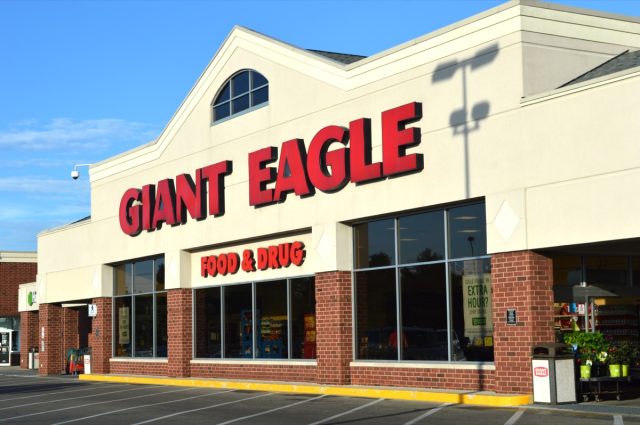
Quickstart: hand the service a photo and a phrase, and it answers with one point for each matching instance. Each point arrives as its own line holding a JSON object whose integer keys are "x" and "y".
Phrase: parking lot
{"x": 61, "y": 400}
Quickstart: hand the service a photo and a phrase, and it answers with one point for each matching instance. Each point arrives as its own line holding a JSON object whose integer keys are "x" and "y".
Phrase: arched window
{"x": 243, "y": 91}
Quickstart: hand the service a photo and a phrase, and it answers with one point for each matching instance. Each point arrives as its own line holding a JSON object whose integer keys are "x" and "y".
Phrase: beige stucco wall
{"x": 23, "y": 293}
{"x": 532, "y": 160}
{"x": 18, "y": 257}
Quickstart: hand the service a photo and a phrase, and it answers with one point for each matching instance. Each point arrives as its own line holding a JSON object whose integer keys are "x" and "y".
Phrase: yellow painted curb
{"x": 392, "y": 394}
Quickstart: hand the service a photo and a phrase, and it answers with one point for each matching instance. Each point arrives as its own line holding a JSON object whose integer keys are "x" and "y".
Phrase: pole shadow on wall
{"x": 467, "y": 118}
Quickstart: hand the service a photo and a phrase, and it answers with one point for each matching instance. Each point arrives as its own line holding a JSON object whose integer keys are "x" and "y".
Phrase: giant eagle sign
{"x": 299, "y": 170}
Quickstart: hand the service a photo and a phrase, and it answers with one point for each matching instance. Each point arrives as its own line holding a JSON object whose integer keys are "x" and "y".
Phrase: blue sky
{"x": 81, "y": 81}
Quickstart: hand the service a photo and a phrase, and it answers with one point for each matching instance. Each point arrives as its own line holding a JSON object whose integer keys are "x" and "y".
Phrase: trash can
{"x": 553, "y": 368}
{"x": 31, "y": 362}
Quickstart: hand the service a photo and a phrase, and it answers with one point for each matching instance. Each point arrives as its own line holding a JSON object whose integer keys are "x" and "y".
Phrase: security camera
{"x": 75, "y": 173}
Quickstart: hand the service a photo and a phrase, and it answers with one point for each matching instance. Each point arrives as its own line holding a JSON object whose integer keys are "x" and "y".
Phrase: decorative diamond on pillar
{"x": 506, "y": 221}
{"x": 323, "y": 247}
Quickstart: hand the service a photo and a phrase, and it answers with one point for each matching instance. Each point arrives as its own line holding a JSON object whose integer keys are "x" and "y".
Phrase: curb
{"x": 479, "y": 399}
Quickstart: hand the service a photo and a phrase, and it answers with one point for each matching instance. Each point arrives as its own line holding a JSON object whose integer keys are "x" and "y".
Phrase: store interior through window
{"x": 279, "y": 323}
{"x": 422, "y": 287}
{"x": 140, "y": 309}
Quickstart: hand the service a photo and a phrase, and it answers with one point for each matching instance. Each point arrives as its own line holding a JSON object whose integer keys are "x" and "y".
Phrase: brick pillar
{"x": 334, "y": 327}
{"x": 179, "y": 332}
{"x": 52, "y": 358}
{"x": 29, "y": 323}
{"x": 69, "y": 329}
{"x": 100, "y": 335}
{"x": 522, "y": 280}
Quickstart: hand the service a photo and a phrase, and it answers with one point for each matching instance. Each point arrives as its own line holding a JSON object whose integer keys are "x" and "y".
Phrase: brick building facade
{"x": 340, "y": 219}
{"x": 16, "y": 268}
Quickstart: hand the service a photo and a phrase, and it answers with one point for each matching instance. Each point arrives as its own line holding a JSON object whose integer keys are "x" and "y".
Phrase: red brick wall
{"x": 12, "y": 275}
{"x": 100, "y": 336}
{"x": 459, "y": 379}
{"x": 522, "y": 280}
{"x": 333, "y": 327}
{"x": 28, "y": 335}
{"x": 179, "y": 330}
{"x": 152, "y": 368}
{"x": 255, "y": 372}
{"x": 52, "y": 359}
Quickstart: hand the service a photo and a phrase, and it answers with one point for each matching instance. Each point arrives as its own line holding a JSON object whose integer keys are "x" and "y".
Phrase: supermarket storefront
{"x": 396, "y": 220}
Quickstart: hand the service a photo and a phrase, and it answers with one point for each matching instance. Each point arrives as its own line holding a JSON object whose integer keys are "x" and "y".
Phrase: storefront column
{"x": 28, "y": 335}
{"x": 522, "y": 281}
{"x": 50, "y": 324}
{"x": 100, "y": 335}
{"x": 179, "y": 332}
{"x": 334, "y": 327}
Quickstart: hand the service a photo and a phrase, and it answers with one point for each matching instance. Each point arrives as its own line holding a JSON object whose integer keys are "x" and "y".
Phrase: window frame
{"x": 396, "y": 266}
{"x": 132, "y": 313}
{"x": 254, "y": 330}
{"x": 251, "y": 90}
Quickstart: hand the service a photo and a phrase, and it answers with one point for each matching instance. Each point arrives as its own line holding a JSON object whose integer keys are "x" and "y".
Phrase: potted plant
{"x": 587, "y": 357}
{"x": 615, "y": 360}
{"x": 628, "y": 355}
{"x": 592, "y": 347}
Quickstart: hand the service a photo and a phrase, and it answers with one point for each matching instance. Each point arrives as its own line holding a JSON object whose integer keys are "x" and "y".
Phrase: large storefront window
{"x": 140, "y": 309}
{"x": 263, "y": 320}
{"x": 427, "y": 275}
{"x": 238, "y": 321}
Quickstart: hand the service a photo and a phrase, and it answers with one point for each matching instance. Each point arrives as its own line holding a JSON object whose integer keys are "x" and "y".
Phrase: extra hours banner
{"x": 476, "y": 296}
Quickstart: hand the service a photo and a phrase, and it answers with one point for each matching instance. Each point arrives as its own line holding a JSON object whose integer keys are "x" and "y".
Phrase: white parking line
{"x": 55, "y": 392}
{"x": 91, "y": 404}
{"x": 201, "y": 408}
{"x": 67, "y": 399}
{"x": 13, "y": 382}
{"x": 617, "y": 420}
{"x": 429, "y": 413}
{"x": 5, "y": 378}
{"x": 271, "y": 410}
{"x": 515, "y": 417}
{"x": 144, "y": 405}
{"x": 348, "y": 411}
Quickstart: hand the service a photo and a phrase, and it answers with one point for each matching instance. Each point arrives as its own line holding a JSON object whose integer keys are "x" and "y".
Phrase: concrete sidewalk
{"x": 17, "y": 371}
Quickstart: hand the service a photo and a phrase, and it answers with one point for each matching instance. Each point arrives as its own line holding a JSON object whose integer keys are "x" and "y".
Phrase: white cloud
{"x": 37, "y": 185}
{"x": 64, "y": 134}
{"x": 10, "y": 213}
{"x": 61, "y": 163}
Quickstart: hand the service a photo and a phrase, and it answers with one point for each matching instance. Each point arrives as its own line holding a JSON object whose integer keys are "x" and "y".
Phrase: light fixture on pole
{"x": 75, "y": 173}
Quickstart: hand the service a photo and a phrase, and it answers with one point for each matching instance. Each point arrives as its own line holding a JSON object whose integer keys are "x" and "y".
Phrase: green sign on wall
{"x": 32, "y": 298}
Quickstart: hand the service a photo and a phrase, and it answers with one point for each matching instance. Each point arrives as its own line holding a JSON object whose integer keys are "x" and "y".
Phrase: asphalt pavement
{"x": 26, "y": 397}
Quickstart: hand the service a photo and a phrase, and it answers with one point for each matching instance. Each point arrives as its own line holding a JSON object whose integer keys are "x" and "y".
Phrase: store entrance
{"x": 75, "y": 336}
{"x": 5, "y": 347}
{"x": 597, "y": 292}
